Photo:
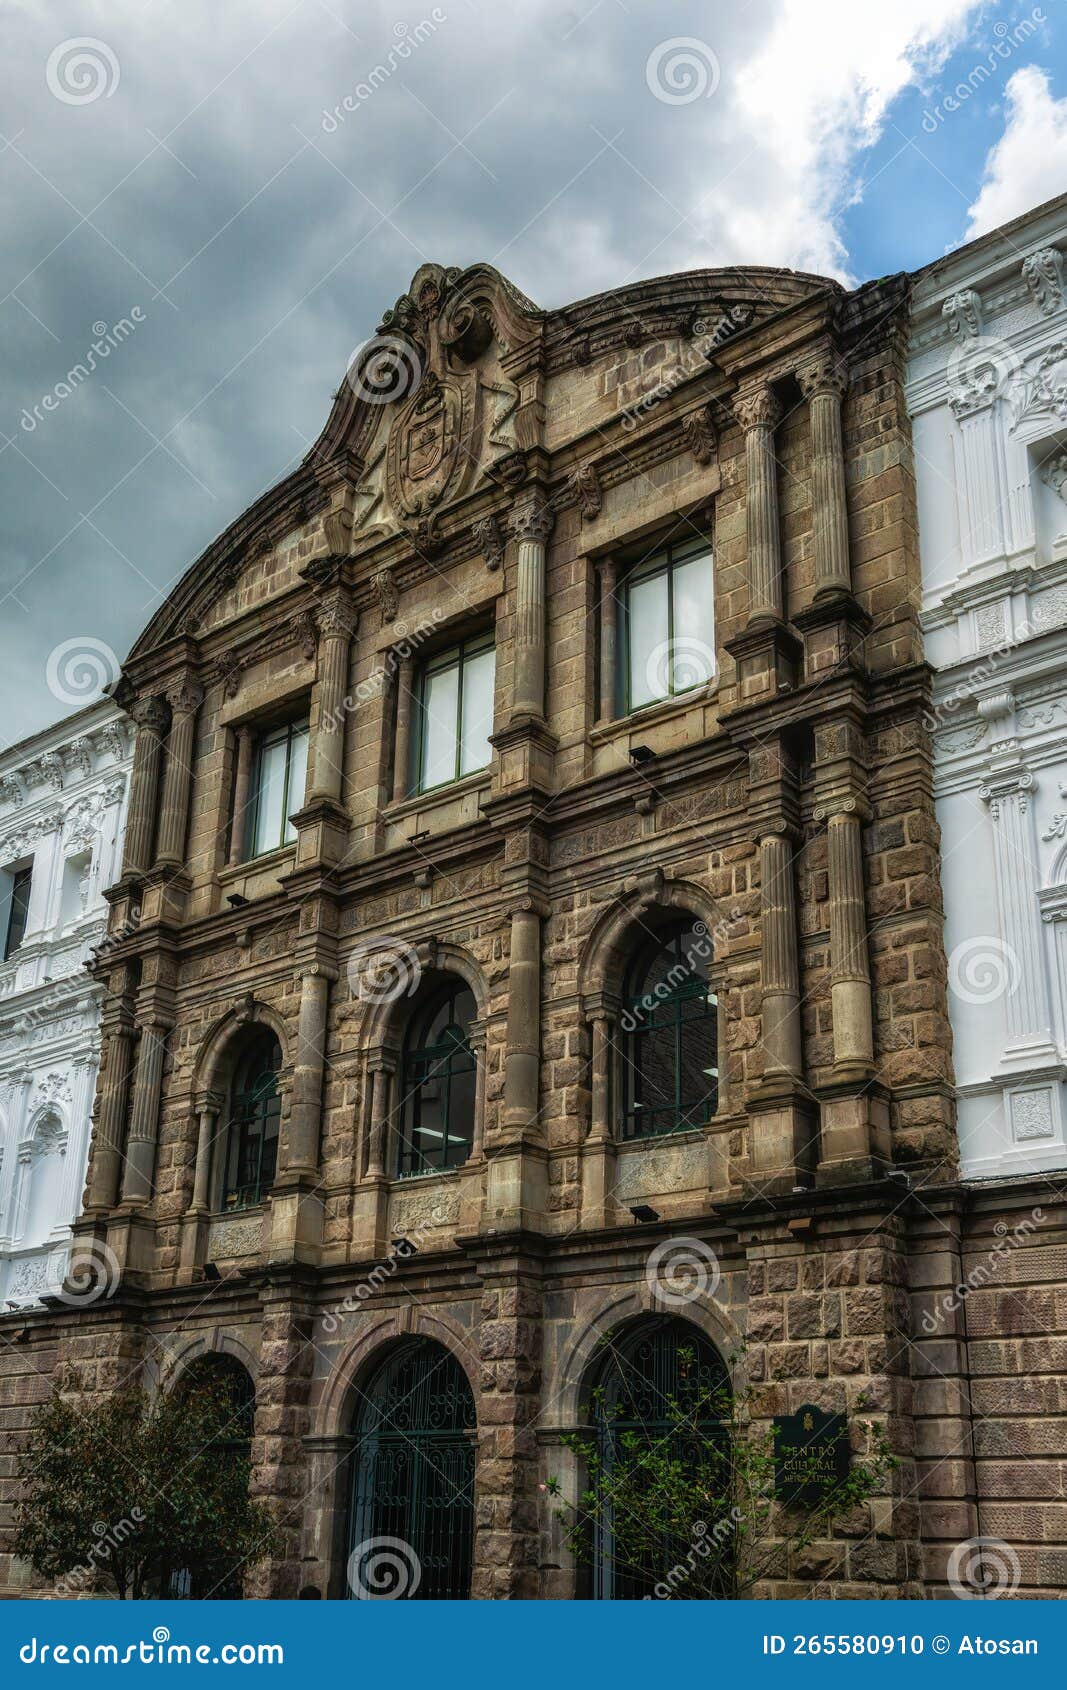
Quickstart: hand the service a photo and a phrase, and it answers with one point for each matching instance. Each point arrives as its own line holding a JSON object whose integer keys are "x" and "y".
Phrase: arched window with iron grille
{"x": 411, "y": 1509}
{"x": 662, "y": 1382}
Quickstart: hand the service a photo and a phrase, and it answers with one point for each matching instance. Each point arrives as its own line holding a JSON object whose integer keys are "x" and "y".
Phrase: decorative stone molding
{"x": 10, "y": 791}
{"x": 235, "y": 1237}
{"x": 532, "y": 518}
{"x": 585, "y": 482}
{"x": 228, "y": 670}
{"x": 385, "y": 591}
{"x": 825, "y": 374}
{"x": 700, "y": 435}
{"x": 1043, "y": 275}
{"x": 963, "y": 313}
{"x": 758, "y": 408}
{"x": 489, "y": 537}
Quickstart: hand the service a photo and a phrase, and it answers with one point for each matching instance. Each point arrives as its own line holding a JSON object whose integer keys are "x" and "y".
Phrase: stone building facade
{"x": 62, "y": 811}
{"x": 986, "y": 393}
{"x": 583, "y": 653}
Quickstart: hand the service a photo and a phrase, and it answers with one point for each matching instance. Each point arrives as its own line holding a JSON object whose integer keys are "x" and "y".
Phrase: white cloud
{"x": 1028, "y": 165}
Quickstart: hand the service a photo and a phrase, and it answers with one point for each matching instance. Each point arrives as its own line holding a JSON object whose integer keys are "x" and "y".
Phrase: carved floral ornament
{"x": 1043, "y": 275}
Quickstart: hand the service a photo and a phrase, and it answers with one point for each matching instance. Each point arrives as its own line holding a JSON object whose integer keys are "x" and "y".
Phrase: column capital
{"x": 842, "y": 809}
{"x": 757, "y": 407}
{"x": 825, "y": 373}
{"x": 151, "y": 714}
{"x": 334, "y": 615}
{"x": 532, "y": 517}
{"x": 184, "y": 696}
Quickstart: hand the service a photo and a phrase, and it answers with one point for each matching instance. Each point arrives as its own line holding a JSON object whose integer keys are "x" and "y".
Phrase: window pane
{"x": 298, "y": 768}
{"x": 478, "y": 675}
{"x": 270, "y": 796}
{"x": 647, "y": 632}
{"x": 440, "y": 712}
{"x": 18, "y": 910}
{"x": 693, "y": 653}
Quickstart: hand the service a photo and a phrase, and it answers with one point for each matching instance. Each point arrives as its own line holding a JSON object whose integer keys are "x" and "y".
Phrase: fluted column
{"x": 402, "y": 742}
{"x": 850, "y": 974}
{"x": 150, "y": 715}
{"x": 759, "y": 413}
{"x": 242, "y": 782}
{"x": 823, "y": 384}
{"x": 144, "y": 1115}
{"x": 337, "y": 624}
{"x": 609, "y": 639}
{"x": 780, "y": 997}
{"x": 531, "y": 523}
{"x": 603, "y": 1047}
{"x": 184, "y": 700}
{"x": 102, "y": 1188}
{"x": 523, "y": 1056}
{"x": 306, "y": 1109}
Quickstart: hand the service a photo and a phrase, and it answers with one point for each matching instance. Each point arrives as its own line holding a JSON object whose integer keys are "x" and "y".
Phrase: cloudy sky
{"x": 242, "y": 191}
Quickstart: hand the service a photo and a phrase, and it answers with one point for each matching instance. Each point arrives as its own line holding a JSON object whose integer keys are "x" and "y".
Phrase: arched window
{"x": 411, "y": 1511}
{"x": 438, "y": 1082}
{"x": 252, "y": 1135}
{"x": 670, "y": 1080}
{"x": 232, "y": 1385}
{"x": 663, "y": 1383}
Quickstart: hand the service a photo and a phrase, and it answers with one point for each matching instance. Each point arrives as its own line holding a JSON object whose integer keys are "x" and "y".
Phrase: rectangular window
{"x": 18, "y": 908}
{"x": 669, "y": 616}
{"x": 454, "y": 705}
{"x": 278, "y": 778}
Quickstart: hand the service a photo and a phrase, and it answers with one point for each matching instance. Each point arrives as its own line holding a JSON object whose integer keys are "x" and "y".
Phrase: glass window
{"x": 670, "y": 1048}
{"x": 439, "y": 1083}
{"x": 669, "y": 613}
{"x": 278, "y": 780}
{"x": 455, "y": 713}
{"x": 252, "y": 1137}
{"x": 18, "y": 909}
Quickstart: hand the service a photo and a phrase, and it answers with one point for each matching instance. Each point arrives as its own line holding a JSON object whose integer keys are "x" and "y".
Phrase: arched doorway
{"x": 233, "y": 1390}
{"x": 411, "y": 1507}
{"x": 662, "y": 1384}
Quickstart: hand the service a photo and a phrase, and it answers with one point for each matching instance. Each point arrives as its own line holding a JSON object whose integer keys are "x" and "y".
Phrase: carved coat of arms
{"x": 433, "y": 443}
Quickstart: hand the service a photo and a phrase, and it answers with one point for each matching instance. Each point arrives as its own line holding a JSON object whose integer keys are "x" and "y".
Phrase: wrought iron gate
{"x": 412, "y": 1501}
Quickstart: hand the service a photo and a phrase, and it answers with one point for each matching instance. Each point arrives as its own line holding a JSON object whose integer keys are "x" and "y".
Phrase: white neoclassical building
{"x": 62, "y": 813}
{"x": 987, "y": 394}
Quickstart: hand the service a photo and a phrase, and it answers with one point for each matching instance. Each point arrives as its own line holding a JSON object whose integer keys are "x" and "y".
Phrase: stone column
{"x": 598, "y": 1151}
{"x": 531, "y": 523}
{"x": 144, "y": 1115}
{"x": 184, "y": 699}
{"x": 609, "y": 625}
{"x": 241, "y": 784}
{"x": 306, "y": 1109}
{"x": 102, "y": 1188}
{"x": 780, "y": 996}
{"x": 1020, "y": 959}
{"x": 402, "y": 742}
{"x": 337, "y": 625}
{"x": 150, "y": 715}
{"x": 823, "y": 384}
{"x": 759, "y": 413}
{"x": 208, "y": 1109}
{"x": 850, "y": 974}
{"x": 380, "y": 1074}
{"x": 522, "y": 1060}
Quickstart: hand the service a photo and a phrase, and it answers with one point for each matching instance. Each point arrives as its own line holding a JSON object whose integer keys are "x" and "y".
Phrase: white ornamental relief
{"x": 1039, "y": 394}
{"x": 1031, "y": 1115}
{"x": 1043, "y": 275}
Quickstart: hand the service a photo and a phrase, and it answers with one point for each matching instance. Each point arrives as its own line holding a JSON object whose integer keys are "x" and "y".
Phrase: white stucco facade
{"x": 62, "y": 812}
{"x": 987, "y": 394}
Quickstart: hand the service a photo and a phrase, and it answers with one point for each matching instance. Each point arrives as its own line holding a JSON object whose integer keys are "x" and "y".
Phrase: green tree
{"x": 690, "y": 1510}
{"x": 135, "y": 1490}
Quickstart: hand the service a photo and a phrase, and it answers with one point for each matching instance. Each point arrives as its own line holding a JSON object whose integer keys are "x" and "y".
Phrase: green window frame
{"x": 455, "y": 728}
{"x": 668, "y": 644}
{"x": 280, "y": 756}
{"x": 18, "y": 910}
{"x": 670, "y": 1038}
